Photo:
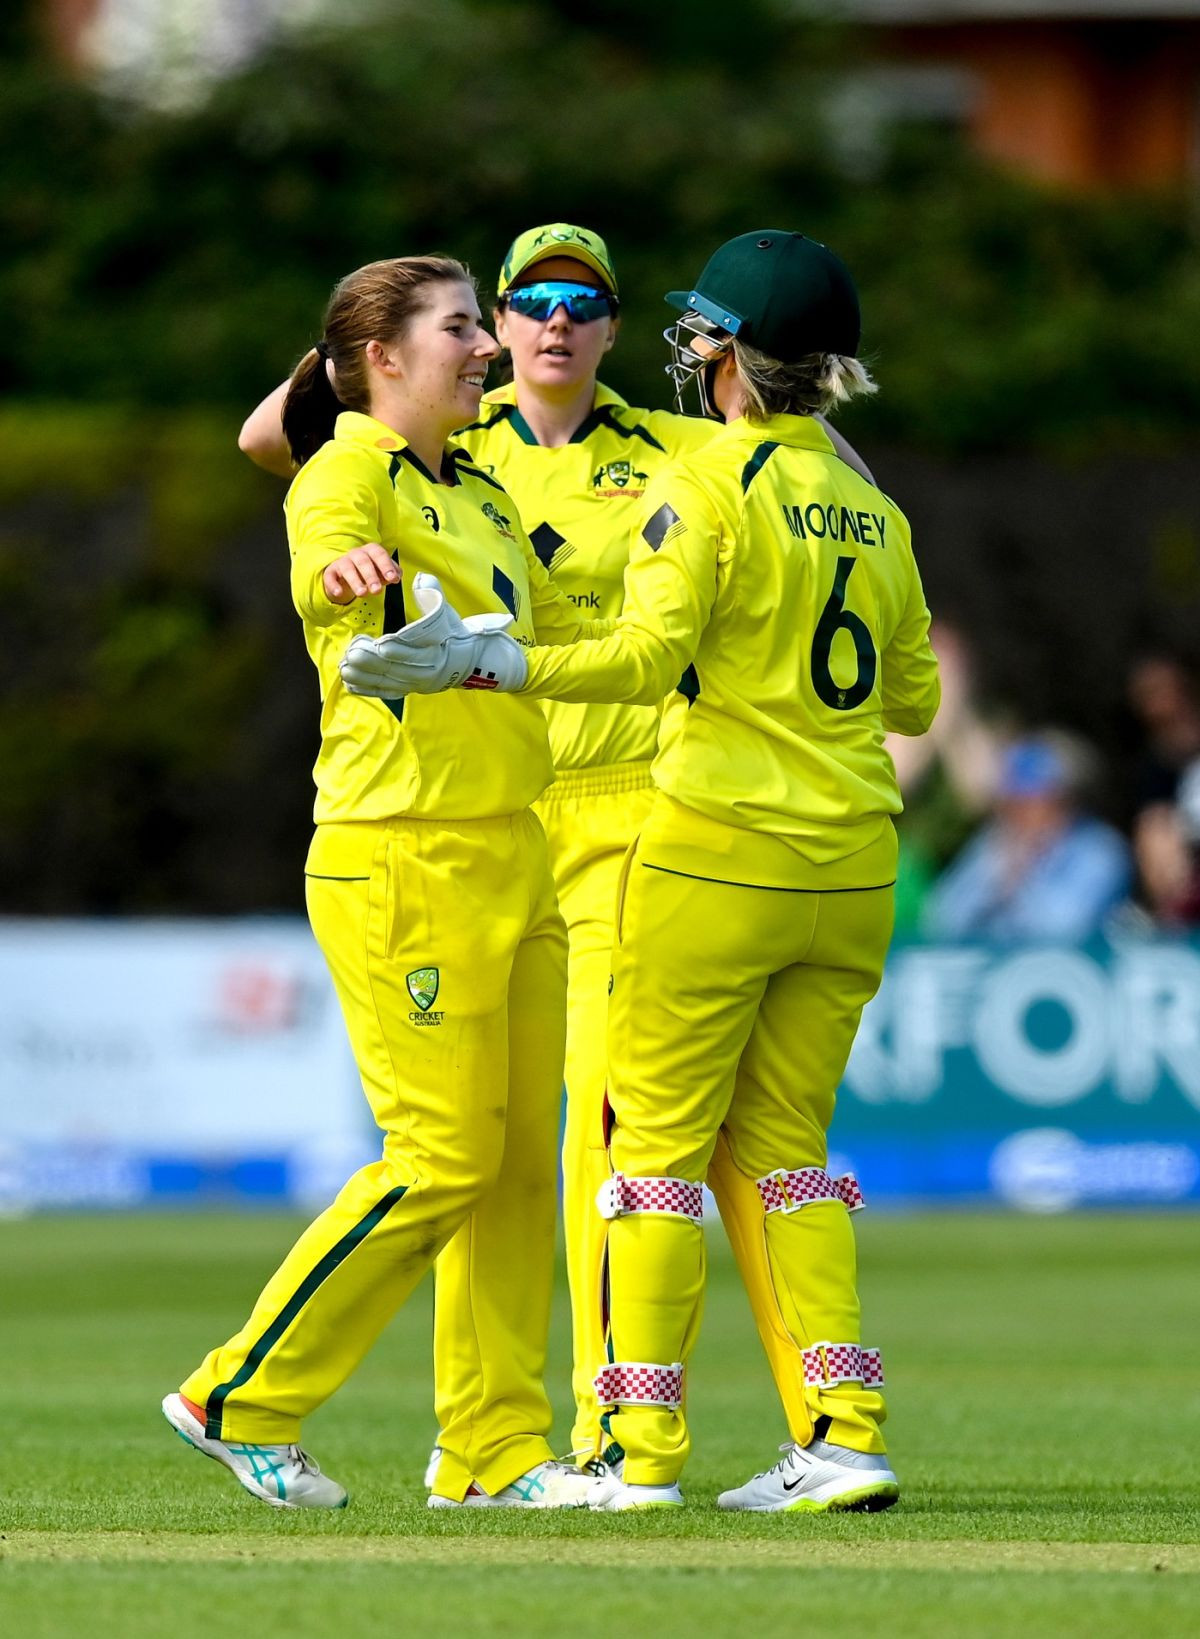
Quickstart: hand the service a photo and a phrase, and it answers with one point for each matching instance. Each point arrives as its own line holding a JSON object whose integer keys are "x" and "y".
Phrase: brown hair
{"x": 374, "y": 303}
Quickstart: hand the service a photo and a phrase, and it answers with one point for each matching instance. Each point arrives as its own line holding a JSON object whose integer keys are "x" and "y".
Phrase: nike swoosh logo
{"x": 793, "y": 1484}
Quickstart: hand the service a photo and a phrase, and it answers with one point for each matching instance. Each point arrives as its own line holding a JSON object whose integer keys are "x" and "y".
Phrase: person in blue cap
{"x": 1042, "y": 869}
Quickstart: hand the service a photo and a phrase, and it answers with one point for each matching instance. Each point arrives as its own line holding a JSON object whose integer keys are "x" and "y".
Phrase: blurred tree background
{"x": 1039, "y": 356}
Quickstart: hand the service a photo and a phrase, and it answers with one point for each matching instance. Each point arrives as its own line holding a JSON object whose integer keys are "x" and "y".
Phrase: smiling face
{"x": 434, "y": 372}
{"x": 556, "y": 354}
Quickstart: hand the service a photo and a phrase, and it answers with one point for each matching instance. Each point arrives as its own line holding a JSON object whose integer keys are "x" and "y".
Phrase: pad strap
{"x": 620, "y": 1195}
{"x": 827, "y": 1364}
{"x": 635, "y": 1383}
{"x": 784, "y": 1191}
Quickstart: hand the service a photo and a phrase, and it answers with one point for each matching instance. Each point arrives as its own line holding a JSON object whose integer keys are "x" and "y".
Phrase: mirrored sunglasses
{"x": 583, "y": 303}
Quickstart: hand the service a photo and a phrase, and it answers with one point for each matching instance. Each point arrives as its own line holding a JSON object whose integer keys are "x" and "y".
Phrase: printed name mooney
{"x": 839, "y": 523}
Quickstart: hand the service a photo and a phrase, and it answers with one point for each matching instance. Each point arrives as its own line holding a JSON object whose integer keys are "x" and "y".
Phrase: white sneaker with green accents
{"x": 283, "y": 1476}
{"x": 614, "y": 1496}
{"x": 551, "y": 1484}
{"x": 818, "y": 1478}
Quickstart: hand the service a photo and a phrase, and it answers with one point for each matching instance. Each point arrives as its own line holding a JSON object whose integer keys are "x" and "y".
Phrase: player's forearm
{"x": 261, "y": 437}
{"x": 631, "y": 666}
{"x": 309, "y": 593}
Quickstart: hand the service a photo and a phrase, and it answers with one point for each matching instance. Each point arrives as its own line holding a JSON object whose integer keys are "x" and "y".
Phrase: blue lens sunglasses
{"x": 583, "y": 303}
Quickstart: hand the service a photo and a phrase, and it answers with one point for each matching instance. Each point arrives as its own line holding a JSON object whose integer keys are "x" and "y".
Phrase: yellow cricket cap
{"x": 557, "y": 239}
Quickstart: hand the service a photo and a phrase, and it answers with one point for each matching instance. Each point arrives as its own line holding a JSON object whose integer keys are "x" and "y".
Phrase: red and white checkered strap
{"x": 826, "y": 1364}
{"x": 634, "y": 1383}
{"x": 784, "y": 1191}
{"x": 620, "y": 1195}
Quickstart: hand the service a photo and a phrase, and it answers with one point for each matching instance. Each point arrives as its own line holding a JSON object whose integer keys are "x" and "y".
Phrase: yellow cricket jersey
{"x": 448, "y": 756}
{"x": 777, "y": 589}
{"x": 577, "y": 503}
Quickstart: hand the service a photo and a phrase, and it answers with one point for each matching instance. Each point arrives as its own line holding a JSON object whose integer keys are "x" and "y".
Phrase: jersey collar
{"x": 799, "y": 431}
{"x": 503, "y": 400}
{"x": 352, "y": 427}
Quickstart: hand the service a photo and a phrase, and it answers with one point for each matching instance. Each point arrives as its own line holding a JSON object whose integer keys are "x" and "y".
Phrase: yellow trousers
{"x": 448, "y": 954}
{"x": 735, "y": 1008}
{"x": 591, "y": 818}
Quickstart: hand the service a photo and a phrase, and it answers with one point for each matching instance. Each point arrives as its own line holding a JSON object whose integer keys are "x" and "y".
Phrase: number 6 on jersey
{"x": 836, "y": 617}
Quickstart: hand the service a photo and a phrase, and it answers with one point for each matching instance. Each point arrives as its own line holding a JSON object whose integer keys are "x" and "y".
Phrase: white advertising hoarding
{"x": 171, "y": 1058}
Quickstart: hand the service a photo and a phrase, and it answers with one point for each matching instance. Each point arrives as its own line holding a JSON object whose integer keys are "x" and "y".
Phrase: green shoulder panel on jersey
{"x": 604, "y": 416}
{"x": 756, "y": 463}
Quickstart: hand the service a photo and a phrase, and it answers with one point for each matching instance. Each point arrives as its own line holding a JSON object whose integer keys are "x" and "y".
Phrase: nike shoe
{"x": 550, "y": 1485}
{"x": 818, "y": 1478}
{"x": 283, "y": 1476}
{"x": 431, "y": 1467}
{"x": 613, "y": 1496}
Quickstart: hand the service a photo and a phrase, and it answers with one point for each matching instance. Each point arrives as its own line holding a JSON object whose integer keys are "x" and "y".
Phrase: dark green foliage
{"x": 163, "y": 271}
{"x": 176, "y": 259}
{"x": 151, "y": 669}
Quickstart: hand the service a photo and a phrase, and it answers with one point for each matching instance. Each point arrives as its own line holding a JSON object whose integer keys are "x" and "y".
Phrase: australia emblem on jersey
{"x": 422, "y": 985}
{"x": 620, "y": 478}
{"x": 494, "y": 516}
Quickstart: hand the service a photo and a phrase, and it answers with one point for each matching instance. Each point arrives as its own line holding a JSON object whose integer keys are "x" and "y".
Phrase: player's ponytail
{"x": 311, "y": 406}
{"x": 812, "y": 386}
{"x": 374, "y": 303}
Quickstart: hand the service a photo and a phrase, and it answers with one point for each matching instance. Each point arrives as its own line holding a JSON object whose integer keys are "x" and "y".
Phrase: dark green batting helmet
{"x": 780, "y": 292}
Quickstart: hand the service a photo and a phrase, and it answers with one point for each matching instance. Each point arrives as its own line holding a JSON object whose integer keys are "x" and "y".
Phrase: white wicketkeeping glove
{"x": 439, "y": 651}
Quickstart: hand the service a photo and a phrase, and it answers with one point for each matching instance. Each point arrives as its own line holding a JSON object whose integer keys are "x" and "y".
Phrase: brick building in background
{"x": 1083, "y": 93}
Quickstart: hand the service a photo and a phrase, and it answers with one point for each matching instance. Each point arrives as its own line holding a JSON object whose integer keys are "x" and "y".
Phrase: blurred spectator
{"x": 1164, "y": 695}
{"x": 947, "y": 777}
{"x": 1179, "y": 827}
{"x": 1041, "y": 869}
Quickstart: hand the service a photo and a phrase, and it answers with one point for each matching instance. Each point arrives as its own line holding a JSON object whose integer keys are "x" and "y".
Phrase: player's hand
{"x": 438, "y": 651}
{"x": 359, "y": 573}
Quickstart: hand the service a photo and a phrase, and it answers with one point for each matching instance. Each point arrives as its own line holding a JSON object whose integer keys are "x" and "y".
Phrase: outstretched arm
{"x": 670, "y": 587}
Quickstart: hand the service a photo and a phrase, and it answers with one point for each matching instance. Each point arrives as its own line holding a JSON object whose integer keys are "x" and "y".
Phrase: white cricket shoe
{"x": 283, "y": 1476}
{"x": 818, "y": 1478}
{"x": 551, "y": 1484}
{"x": 431, "y": 1467}
{"x": 613, "y": 1496}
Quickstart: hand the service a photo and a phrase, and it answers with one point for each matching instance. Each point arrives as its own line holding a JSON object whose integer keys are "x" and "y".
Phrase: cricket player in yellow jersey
{"x": 577, "y": 460}
{"x": 430, "y": 893}
{"x": 756, "y": 906}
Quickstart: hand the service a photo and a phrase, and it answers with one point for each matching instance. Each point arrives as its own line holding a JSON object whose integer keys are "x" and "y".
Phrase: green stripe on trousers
{"x": 285, "y": 1317}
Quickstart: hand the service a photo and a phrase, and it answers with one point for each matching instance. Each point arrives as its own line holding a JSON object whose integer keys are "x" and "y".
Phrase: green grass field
{"x": 1045, "y": 1425}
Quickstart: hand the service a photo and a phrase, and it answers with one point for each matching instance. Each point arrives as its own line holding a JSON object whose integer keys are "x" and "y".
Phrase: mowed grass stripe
{"x": 710, "y": 1554}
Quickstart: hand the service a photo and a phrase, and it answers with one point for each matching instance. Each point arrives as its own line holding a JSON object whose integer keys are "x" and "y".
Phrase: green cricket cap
{"x": 783, "y": 293}
{"x": 557, "y": 239}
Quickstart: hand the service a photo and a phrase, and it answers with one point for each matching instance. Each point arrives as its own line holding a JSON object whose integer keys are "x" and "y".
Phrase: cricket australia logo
{"x": 496, "y": 517}
{"x": 619, "y": 478}
{"x": 422, "y": 985}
